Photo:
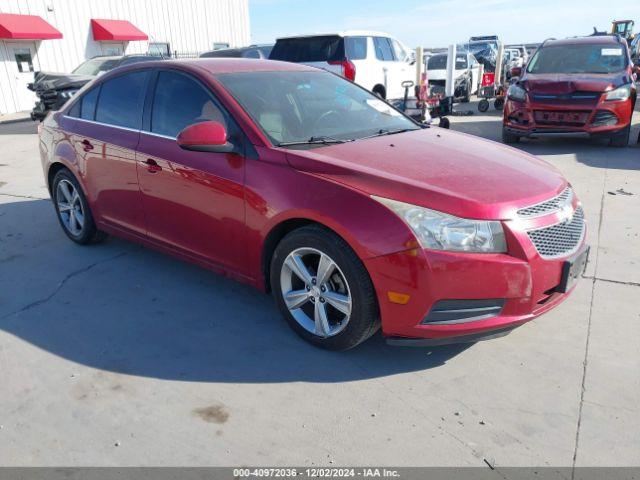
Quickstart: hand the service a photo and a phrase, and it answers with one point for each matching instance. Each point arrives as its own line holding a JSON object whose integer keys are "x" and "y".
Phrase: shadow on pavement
{"x": 133, "y": 311}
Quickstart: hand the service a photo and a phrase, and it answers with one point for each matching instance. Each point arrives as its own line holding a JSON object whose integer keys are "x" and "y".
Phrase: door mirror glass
{"x": 206, "y": 136}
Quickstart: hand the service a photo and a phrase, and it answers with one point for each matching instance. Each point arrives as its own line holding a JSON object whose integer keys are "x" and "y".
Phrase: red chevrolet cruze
{"x": 578, "y": 86}
{"x": 297, "y": 181}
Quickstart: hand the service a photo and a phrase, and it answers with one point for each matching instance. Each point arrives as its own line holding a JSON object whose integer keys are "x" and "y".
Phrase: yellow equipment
{"x": 624, "y": 28}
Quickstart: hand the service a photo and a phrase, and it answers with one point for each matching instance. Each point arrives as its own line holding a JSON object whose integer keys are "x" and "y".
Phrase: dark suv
{"x": 584, "y": 86}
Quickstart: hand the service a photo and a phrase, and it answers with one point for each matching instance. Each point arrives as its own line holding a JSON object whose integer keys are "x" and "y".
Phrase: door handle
{"x": 152, "y": 165}
{"x": 87, "y": 145}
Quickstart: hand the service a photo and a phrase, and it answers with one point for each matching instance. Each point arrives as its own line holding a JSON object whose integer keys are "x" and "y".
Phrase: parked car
{"x": 376, "y": 61}
{"x": 311, "y": 187}
{"x": 466, "y": 74}
{"x": 54, "y": 89}
{"x": 579, "y": 86}
{"x": 252, "y": 51}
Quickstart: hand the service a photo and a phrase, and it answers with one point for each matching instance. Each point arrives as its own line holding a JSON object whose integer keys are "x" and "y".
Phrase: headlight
{"x": 621, "y": 93}
{"x": 66, "y": 94}
{"x": 439, "y": 231}
{"x": 516, "y": 92}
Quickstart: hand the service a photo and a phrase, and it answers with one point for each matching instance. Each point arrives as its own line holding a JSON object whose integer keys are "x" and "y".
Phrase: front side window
{"x": 180, "y": 101}
{"x": 437, "y": 62}
{"x": 383, "y": 48}
{"x": 299, "y": 106}
{"x": 400, "y": 53}
{"x": 461, "y": 62}
{"x": 121, "y": 99}
{"x": 608, "y": 58}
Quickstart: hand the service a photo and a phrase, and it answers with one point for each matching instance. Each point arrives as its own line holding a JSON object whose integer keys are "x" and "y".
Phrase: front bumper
{"x": 536, "y": 119}
{"x": 461, "y": 297}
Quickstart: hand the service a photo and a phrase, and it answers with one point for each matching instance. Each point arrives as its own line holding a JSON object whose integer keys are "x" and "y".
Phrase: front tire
{"x": 73, "y": 209}
{"x": 483, "y": 105}
{"x": 508, "y": 137}
{"x": 323, "y": 289}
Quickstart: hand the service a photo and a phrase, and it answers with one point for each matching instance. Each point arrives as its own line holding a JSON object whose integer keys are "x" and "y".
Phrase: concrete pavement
{"x": 117, "y": 355}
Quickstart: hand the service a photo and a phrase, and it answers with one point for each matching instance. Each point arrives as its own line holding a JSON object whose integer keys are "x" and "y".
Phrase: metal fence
{"x": 178, "y": 54}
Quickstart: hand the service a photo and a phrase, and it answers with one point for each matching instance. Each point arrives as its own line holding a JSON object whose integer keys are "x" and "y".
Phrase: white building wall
{"x": 187, "y": 25}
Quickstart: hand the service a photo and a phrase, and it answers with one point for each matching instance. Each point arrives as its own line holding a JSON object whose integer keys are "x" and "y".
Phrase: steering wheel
{"x": 325, "y": 116}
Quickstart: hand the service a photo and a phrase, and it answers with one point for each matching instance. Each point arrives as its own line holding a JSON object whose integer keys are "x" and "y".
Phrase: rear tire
{"x": 621, "y": 139}
{"x": 73, "y": 210}
{"x": 508, "y": 137}
{"x": 483, "y": 105}
{"x": 467, "y": 94}
{"x": 380, "y": 91}
{"x": 347, "y": 286}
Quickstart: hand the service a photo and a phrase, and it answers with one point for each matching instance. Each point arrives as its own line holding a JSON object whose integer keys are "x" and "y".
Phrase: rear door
{"x": 322, "y": 51}
{"x": 106, "y": 130}
{"x": 193, "y": 201}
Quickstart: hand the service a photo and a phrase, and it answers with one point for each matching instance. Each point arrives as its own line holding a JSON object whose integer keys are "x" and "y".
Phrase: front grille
{"x": 560, "y": 239}
{"x": 547, "y": 207}
{"x": 561, "y": 118}
{"x": 568, "y": 98}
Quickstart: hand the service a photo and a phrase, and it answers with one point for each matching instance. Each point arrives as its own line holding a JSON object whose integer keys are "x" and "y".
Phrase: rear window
{"x": 606, "y": 58}
{"x": 309, "y": 49}
{"x": 356, "y": 48}
{"x": 437, "y": 62}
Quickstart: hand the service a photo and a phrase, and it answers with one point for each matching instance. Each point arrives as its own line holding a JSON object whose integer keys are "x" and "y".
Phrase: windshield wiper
{"x": 385, "y": 131}
{"x": 320, "y": 140}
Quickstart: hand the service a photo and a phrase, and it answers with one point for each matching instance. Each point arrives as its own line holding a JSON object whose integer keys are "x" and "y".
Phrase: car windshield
{"x": 95, "y": 66}
{"x": 578, "y": 59}
{"x": 312, "y": 107}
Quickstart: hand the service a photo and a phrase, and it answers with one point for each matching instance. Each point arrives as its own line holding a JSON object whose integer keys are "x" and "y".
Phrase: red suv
{"x": 583, "y": 86}
{"x": 297, "y": 181}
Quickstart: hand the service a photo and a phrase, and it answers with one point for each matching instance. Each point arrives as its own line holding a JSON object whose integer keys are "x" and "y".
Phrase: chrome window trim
{"x": 94, "y": 122}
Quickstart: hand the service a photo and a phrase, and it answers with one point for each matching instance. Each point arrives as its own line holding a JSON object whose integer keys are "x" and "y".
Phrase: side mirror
{"x": 516, "y": 71}
{"x": 206, "y": 136}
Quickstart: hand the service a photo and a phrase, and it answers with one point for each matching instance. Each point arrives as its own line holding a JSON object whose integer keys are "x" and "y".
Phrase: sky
{"x": 438, "y": 23}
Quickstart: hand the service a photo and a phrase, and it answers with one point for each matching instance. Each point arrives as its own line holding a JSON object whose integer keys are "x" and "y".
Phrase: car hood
{"x": 58, "y": 81}
{"x": 435, "y": 168}
{"x": 568, "y": 83}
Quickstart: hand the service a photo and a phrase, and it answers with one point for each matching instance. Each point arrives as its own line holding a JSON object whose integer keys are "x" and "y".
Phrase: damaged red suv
{"x": 577, "y": 86}
{"x": 297, "y": 181}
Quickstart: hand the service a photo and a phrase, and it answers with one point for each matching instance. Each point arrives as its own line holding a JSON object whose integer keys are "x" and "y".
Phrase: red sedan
{"x": 297, "y": 181}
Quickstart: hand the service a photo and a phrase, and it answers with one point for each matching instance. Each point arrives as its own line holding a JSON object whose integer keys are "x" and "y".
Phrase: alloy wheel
{"x": 70, "y": 207}
{"x": 316, "y": 292}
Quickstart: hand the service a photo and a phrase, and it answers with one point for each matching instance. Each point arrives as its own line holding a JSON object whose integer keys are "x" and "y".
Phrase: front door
{"x": 193, "y": 201}
{"x": 22, "y": 63}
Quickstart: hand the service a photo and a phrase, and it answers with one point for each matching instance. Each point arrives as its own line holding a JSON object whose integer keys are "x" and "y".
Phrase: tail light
{"x": 348, "y": 68}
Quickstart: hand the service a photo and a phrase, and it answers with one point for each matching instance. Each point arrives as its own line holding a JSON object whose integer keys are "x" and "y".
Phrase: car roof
{"x": 592, "y": 40}
{"x": 228, "y": 65}
{"x": 344, "y": 33}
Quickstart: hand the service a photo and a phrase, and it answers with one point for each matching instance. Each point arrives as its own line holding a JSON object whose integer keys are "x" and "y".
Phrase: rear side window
{"x": 180, "y": 101}
{"x": 383, "y": 48}
{"x": 121, "y": 99}
{"x": 309, "y": 49}
{"x": 356, "y": 48}
{"x": 88, "y": 104}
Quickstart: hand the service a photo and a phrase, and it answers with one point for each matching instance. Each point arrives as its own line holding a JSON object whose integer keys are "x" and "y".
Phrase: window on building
{"x": 121, "y": 99}
{"x": 220, "y": 45}
{"x": 160, "y": 49}
{"x": 23, "y": 59}
{"x": 383, "y": 49}
{"x": 179, "y": 102}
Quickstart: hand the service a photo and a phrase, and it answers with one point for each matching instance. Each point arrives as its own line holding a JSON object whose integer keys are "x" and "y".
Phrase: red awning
{"x": 26, "y": 27}
{"x": 115, "y": 31}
